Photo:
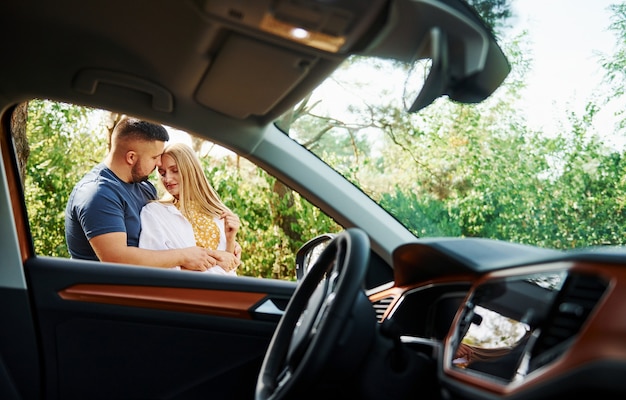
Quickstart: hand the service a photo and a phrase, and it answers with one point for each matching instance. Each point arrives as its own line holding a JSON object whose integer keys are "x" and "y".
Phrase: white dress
{"x": 163, "y": 227}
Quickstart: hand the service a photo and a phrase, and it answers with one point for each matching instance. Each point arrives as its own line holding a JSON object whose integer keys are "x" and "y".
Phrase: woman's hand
{"x": 237, "y": 251}
{"x": 227, "y": 260}
{"x": 197, "y": 258}
{"x": 231, "y": 224}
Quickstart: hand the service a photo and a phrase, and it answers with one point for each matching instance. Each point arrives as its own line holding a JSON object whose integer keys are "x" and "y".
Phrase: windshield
{"x": 539, "y": 162}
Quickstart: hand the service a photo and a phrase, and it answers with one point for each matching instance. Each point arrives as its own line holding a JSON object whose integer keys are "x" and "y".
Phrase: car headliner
{"x": 212, "y": 60}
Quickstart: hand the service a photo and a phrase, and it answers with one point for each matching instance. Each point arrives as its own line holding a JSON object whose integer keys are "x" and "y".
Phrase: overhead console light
{"x": 332, "y": 26}
{"x": 319, "y": 30}
{"x": 299, "y": 33}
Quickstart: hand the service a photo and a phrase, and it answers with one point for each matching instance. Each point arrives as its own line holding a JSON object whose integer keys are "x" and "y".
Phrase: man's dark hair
{"x": 133, "y": 128}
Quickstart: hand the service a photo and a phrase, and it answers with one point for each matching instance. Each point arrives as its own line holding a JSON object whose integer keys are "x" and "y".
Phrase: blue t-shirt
{"x": 102, "y": 203}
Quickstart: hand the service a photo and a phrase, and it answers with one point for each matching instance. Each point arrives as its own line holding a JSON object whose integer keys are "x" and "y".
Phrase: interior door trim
{"x": 233, "y": 304}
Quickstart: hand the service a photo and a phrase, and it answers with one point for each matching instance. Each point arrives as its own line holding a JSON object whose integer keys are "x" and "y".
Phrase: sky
{"x": 565, "y": 35}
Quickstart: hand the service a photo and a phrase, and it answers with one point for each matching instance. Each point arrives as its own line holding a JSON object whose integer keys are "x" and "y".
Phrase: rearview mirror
{"x": 455, "y": 54}
{"x": 427, "y": 78}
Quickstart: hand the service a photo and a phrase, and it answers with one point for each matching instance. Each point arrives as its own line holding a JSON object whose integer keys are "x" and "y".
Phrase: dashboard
{"x": 512, "y": 321}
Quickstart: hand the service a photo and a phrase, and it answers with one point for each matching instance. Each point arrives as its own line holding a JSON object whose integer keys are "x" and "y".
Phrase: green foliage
{"x": 561, "y": 192}
{"x": 268, "y": 251}
{"x": 64, "y": 146}
{"x": 478, "y": 170}
{"x": 425, "y": 216}
{"x": 479, "y": 174}
{"x": 495, "y": 13}
{"x": 615, "y": 64}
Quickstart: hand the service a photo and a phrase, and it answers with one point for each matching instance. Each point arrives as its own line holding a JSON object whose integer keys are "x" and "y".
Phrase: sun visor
{"x": 248, "y": 77}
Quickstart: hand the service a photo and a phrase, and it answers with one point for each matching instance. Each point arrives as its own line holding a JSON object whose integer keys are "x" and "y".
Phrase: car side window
{"x": 65, "y": 141}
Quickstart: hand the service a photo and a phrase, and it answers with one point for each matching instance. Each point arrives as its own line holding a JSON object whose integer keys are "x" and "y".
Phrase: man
{"x": 102, "y": 215}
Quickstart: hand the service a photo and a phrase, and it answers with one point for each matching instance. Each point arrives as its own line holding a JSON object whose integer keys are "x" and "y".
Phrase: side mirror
{"x": 309, "y": 252}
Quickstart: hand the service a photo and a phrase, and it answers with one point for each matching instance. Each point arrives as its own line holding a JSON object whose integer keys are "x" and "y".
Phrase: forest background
{"x": 461, "y": 170}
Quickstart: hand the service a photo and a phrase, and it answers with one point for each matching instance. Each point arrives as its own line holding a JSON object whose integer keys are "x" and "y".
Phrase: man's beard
{"x": 136, "y": 176}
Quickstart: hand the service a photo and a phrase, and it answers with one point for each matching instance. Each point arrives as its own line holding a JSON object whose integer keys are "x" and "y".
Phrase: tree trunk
{"x": 285, "y": 222}
{"x": 20, "y": 141}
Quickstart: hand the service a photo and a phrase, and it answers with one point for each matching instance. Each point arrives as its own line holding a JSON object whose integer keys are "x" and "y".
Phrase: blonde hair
{"x": 194, "y": 186}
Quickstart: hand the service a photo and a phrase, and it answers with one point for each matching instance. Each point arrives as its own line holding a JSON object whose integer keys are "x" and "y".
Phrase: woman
{"x": 191, "y": 212}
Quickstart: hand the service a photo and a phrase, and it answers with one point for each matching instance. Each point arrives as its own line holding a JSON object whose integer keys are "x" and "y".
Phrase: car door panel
{"x": 19, "y": 364}
{"x": 114, "y": 331}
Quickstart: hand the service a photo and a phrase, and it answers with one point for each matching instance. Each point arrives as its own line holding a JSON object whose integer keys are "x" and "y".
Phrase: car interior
{"x": 371, "y": 312}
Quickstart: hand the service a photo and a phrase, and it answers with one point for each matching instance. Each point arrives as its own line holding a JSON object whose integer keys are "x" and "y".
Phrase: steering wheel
{"x": 313, "y": 336}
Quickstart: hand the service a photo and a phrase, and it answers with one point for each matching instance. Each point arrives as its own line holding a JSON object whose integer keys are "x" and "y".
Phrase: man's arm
{"x": 112, "y": 247}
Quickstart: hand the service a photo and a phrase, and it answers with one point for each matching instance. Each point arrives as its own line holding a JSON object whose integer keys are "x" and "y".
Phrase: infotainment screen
{"x": 501, "y": 321}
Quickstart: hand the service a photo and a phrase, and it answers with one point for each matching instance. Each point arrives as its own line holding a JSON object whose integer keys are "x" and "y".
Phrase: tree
{"x": 64, "y": 145}
{"x": 615, "y": 64}
{"x": 18, "y": 133}
{"x": 495, "y": 13}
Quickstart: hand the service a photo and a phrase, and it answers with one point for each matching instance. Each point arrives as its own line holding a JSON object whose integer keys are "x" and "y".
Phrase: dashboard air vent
{"x": 381, "y": 306}
{"x": 572, "y": 307}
